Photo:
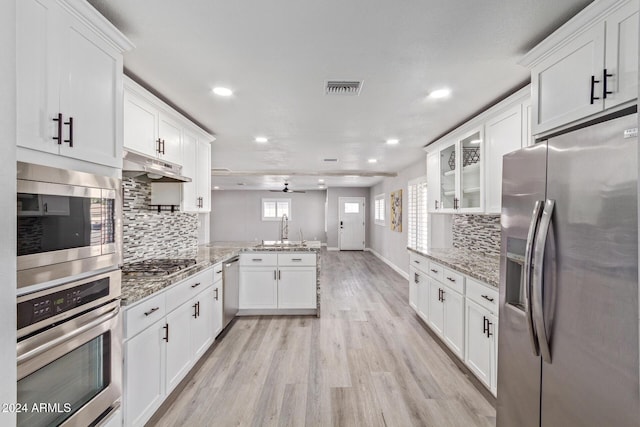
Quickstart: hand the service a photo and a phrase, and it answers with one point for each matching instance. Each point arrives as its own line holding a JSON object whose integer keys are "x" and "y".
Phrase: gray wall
{"x": 332, "y": 211}
{"x": 391, "y": 244}
{"x": 8, "y": 210}
{"x": 237, "y": 215}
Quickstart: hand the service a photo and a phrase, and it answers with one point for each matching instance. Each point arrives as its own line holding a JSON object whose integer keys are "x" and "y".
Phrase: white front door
{"x": 351, "y": 223}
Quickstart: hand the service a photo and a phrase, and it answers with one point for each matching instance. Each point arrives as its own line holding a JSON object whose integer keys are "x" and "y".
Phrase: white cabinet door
{"x": 453, "y": 328}
{"x": 144, "y": 374}
{"x": 621, "y": 60}
{"x": 90, "y": 96}
{"x": 203, "y": 175}
{"x": 258, "y": 287}
{"x": 170, "y": 132}
{"x": 478, "y": 345}
{"x": 178, "y": 344}
{"x": 562, "y": 82}
{"x": 140, "y": 125}
{"x": 433, "y": 181}
{"x": 447, "y": 178}
{"x": 413, "y": 288}
{"x": 503, "y": 135}
{"x": 190, "y": 201}
{"x": 470, "y": 188}
{"x": 297, "y": 287}
{"x": 436, "y": 308}
{"x": 423, "y": 296}
{"x": 38, "y": 74}
{"x": 217, "y": 308}
{"x": 202, "y": 324}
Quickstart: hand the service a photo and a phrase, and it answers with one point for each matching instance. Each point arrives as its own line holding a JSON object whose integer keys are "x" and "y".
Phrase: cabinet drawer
{"x": 453, "y": 279}
{"x": 183, "y": 291}
{"x": 144, "y": 314}
{"x": 217, "y": 272}
{"x": 258, "y": 259}
{"x": 296, "y": 259}
{"x": 483, "y": 295}
{"x": 419, "y": 262}
{"x": 435, "y": 270}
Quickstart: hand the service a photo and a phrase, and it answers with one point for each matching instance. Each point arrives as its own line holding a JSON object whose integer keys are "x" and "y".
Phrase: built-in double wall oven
{"x": 69, "y": 348}
{"x": 68, "y": 223}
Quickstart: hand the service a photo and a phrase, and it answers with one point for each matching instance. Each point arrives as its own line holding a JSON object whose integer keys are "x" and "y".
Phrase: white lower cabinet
{"x": 446, "y": 315}
{"x": 462, "y": 312}
{"x": 480, "y": 342}
{"x": 144, "y": 374}
{"x": 283, "y": 281}
{"x": 161, "y": 346}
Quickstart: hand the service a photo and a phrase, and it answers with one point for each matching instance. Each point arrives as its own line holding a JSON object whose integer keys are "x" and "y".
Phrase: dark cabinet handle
{"x": 435, "y": 271}
{"x": 489, "y": 333}
{"x": 279, "y": 275}
{"x": 296, "y": 259}
{"x": 195, "y": 310}
{"x": 163, "y": 146}
{"x": 417, "y": 262}
{"x": 256, "y": 259}
{"x": 216, "y": 291}
{"x": 153, "y": 310}
{"x": 275, "y": 275}
{"x": 442, "y": 293}
{"x": 158, "y": 150}
{"x": 45, "y": 207}
{"x": 436, "y": 203}
{"x": 593, "y": 89}
{"x": 59, "y": 126}
{"x": 415, "y": 277}
{"x": 166, "y": 332}
{"x": 451, "y": 279}
{"x": 195, "y": 285}
{"x": 484, "y": 325}
{"x": 219, "y": 271}
{"x": 70, "y": 124}
{"x": 605, "y": 92}
{"x": 487, "y": 297}
{"x": 198, "y": 303}
{"x": 455, "y": 203}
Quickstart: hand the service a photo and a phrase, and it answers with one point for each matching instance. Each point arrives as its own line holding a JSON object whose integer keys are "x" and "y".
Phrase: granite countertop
{"x": 136, "y": 288}
{"x": 485, "y": 268}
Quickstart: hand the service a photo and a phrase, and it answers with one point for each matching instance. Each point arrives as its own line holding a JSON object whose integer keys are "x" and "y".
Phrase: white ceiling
{"x": 276, "y": 55}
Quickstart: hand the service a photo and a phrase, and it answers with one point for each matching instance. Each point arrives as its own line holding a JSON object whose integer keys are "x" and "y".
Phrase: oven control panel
{"x": 46, "y": 306}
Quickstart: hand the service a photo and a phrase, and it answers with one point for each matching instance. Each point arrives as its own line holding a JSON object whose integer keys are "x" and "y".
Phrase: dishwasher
{"x": 230, "y": 290}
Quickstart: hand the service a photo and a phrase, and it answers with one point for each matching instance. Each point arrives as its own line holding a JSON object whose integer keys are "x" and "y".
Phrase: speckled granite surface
{"x": 485, "y": 268}
{"x": 136, "y": 288}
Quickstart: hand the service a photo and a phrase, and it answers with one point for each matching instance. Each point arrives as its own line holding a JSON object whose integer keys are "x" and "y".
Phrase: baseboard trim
{"x": 331, "y": 248}
{"x": 389, "y": 263}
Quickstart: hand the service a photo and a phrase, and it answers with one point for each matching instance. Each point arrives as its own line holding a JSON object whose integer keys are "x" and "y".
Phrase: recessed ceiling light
{"x": 222, "y": 91}
{"x": 321, "y": 180}
{"x": 392, "y": 141}
{"x": 440, "y": 93}
{"x": 372, "y": 160}
{"x": 320, "y": 186}
{"x": 352, "y": 176}
{"x": 215, "y": 187}
{"x": 262, "y": 139}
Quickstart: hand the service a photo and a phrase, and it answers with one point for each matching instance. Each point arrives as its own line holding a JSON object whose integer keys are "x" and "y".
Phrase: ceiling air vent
{"x": 350, "y": 88}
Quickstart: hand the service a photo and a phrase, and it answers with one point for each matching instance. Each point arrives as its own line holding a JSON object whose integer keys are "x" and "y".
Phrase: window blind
{"x": 417, "y": 215}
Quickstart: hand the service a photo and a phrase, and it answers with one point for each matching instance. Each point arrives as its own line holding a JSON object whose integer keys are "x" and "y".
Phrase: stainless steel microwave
{"x": 68, "y": 223}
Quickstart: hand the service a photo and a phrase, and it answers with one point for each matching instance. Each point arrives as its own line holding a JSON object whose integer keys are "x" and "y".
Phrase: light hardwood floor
{"x": 368, "y": 361}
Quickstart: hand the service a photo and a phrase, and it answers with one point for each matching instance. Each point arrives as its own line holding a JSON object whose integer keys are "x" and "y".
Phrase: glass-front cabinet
{"x": 461, "y": 173}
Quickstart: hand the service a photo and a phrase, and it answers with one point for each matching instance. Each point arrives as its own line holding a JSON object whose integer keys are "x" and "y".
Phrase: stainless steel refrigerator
{"x": 568, "y": 337}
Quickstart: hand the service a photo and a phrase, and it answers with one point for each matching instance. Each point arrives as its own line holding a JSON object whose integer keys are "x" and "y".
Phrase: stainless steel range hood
{"x": 149, "y": 169}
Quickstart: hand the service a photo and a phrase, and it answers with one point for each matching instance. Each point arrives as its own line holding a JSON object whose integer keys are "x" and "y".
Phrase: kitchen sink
{"x": 282, "y": 244}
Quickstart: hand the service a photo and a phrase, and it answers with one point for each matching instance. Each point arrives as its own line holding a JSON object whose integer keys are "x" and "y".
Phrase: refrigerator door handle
{"x": 541, "y": 241}
{"x": 533, "y": 225}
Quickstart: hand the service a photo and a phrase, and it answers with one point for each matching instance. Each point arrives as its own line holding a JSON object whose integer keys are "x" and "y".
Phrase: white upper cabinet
{"x": 170, "y": 139}
{"x": 503, "y": 135}
{"x": 69, "y": 82}
{"x": 461, "y": 173}
{"x": 464, "y": 168}
{"x": 588, "y": 65}
{"x": 140, "y": 125}
{"x": 196, "y": 195}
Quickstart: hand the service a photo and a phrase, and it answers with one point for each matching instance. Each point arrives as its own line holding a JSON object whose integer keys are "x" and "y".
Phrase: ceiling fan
{"x": 286, "y": 190}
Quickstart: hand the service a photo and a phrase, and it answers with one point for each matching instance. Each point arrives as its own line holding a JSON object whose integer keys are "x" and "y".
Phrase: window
{"x": 273, "y": 209}
{"x": 351, "y": 207}
{"x": 417, "y": 214}
{"x": 379, "y": 209}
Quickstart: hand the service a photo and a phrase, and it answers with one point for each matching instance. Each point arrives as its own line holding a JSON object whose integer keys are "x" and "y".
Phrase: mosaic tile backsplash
{"x": 149, "y": 234}
{"x": 477, "y": 233}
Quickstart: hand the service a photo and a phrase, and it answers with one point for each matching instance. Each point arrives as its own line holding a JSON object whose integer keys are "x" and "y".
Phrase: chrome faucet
{"x": 284, "y": 228}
